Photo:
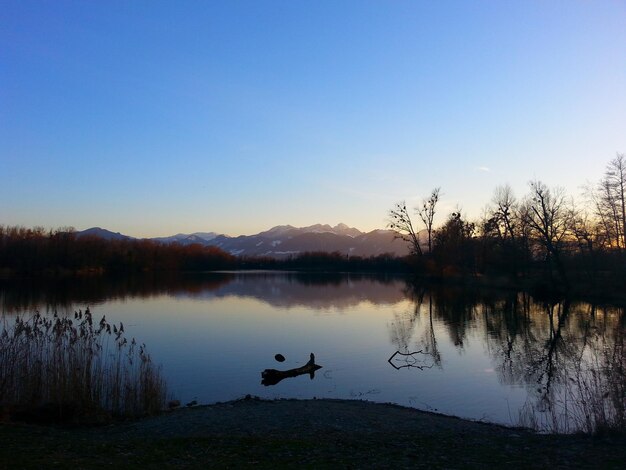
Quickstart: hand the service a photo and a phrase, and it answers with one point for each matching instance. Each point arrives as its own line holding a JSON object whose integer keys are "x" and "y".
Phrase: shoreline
{"x": 293, "y": 433}
{"x": 604, "y": 291}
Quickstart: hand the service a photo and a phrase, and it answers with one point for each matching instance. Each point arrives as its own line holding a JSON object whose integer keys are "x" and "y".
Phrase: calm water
{"x": 498, "y": 357}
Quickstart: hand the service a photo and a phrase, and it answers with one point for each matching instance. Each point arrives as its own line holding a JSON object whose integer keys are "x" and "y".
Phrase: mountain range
{"x": 284, "y": 240}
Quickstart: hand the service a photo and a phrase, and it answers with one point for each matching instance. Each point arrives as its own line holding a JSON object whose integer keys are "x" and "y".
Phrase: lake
{"x": 496, "y": 356}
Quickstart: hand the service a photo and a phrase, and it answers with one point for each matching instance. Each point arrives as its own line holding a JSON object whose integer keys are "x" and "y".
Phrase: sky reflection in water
{"x": 489, "y": 356}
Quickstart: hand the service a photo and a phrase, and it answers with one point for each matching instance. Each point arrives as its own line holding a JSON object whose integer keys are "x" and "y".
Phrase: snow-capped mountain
{"x": 286, "y": 240}
{"x": 289, "y": 230}
{"x": 188, "y": 239}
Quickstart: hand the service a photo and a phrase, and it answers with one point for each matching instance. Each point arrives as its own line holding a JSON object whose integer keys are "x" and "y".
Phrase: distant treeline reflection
{"x": 285, "y": 289}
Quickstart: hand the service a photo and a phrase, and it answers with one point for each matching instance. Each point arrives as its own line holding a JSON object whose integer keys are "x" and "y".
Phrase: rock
{"x": 279, "y": 358}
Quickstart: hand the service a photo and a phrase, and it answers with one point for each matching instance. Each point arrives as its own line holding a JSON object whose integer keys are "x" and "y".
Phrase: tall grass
{"x": 77, "y": 368}
{"x": 591, "y": 395}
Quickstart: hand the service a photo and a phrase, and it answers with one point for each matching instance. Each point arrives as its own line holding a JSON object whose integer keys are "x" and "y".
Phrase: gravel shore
{"x": 303, "y": 434}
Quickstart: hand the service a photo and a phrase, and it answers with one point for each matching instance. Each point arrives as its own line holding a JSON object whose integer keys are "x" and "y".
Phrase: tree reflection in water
{"x": 579, "y": 372}
{"x": 570, "y": 356}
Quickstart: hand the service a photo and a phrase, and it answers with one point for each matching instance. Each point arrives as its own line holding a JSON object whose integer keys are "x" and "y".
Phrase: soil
{"x": 303, "y": 434}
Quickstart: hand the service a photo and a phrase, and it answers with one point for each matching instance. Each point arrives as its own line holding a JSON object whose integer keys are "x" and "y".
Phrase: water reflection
{"x": 493, "y": 355}
{"x": 63, "y": 293}
{"x": 321, "y": 291}
{"x": 570, "y": 356}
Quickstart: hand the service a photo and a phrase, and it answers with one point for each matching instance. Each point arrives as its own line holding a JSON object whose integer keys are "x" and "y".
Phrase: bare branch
{"x": 400, "y": 222}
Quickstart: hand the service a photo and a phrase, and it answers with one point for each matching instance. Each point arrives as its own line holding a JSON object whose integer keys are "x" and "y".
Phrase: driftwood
{"x": 273, "y": 376}
{"x": 409, "y": 360}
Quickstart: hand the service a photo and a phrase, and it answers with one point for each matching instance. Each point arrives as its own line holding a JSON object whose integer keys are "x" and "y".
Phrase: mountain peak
{"x": 317, "y": 228}
{"x": 277, "y": 230}
{"x": 344, "y": 229}
{"x": 285, "y": 240}
{"x": 103, "y": 233}
{"x": 339, "y": 229}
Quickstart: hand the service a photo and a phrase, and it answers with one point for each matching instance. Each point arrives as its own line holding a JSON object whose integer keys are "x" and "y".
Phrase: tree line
{"x": 546, "y": 234}
{"x": 37, "y": 250}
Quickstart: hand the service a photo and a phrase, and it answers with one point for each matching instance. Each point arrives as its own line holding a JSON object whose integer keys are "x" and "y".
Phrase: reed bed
{"x": 72, "y": 368}
{"x": 591, "y": 396}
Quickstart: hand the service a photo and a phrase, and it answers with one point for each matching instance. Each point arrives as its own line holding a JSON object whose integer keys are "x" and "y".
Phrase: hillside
{"x": 284, "y": 241}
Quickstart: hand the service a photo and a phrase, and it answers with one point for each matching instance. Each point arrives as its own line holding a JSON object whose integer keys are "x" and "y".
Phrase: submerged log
{"x": 273, "y": 376}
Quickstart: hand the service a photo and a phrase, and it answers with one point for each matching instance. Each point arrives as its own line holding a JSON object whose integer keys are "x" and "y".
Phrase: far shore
{"x": 604, "y": 290}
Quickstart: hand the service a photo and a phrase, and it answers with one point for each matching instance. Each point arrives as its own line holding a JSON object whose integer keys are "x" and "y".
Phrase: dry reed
{"x": 591, "y": 396}
{"x": 75, "y": 368}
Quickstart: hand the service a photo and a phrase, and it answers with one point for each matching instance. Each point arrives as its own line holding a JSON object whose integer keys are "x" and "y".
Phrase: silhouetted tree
{"x": 609, "y": 202}
{"x": 547, "y": 215}
{"x": 503, "y": 212}
{"x": 453, "y": 243}
{"x": 400, "y": 221}
{"x": 501, "y": 232}
{"x": 616, "y": 179}
{"x": 427, "y": 214}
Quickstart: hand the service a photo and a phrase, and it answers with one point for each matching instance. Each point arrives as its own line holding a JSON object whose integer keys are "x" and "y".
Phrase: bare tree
{"x": 548, "y": 218}
{"x": 604, "y": 222}
{"x": 617, "y": 176}
{"x": 504, "y": 211}
{"x": 427, "y": 214}
{"x": 583, "y": 230}
{"x": 613, "y": 187}
{"x": 400, "y": 221}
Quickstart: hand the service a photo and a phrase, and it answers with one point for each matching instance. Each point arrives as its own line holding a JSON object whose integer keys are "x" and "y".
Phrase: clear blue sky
{"x": 153, "y": 117}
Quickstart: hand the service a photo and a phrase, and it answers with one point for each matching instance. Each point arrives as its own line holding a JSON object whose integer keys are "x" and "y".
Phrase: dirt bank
{"x": 302, "y": 433}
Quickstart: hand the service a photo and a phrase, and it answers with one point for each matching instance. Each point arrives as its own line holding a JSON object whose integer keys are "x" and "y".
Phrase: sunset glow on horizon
{"x": 156, "y": 118}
